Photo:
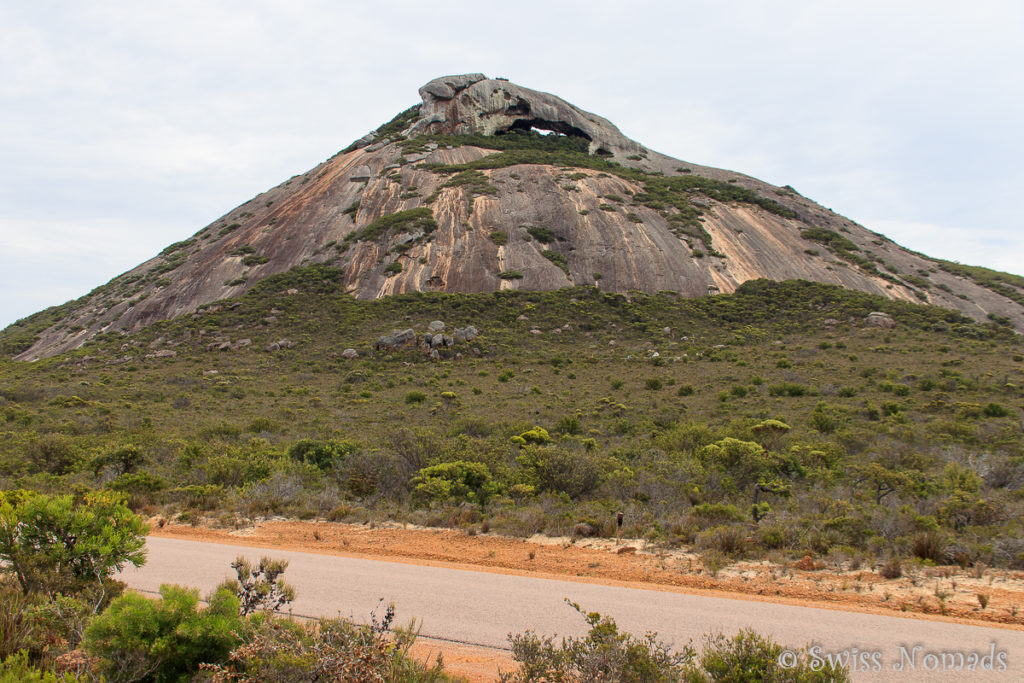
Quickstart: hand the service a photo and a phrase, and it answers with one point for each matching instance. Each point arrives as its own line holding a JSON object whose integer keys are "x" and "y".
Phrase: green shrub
{"x": 393, "y": 268}
{"x": 604, "y": 653}
{"x": 537, "y": 436}
{"x": 458, "y": 481}
{"x": 748, "y": 656}
{"x": 414, "y": 220}
{"x": 263, "y": 424}
{"x": 557, "y": 259}
{"x": 166, "y": 639}
{"x": 542, "y": 235}
{"x": 570, "y": 424}
{"x": 475, "y": 182}
{"x": 67, "y": 545}
{"x": 415, "y": 397}
{"x": 322, "y": 454}
{"x": 17, "y": 669}
{"x": 559, "y": 471}
{"x": 499, "y": 237}
{"x": 787, "y": 389}
{"x": 652, "y": 384}
{"x": 995, "y": 410}
{"x": 510, "y": 275}
{"x": 685, "y": 390}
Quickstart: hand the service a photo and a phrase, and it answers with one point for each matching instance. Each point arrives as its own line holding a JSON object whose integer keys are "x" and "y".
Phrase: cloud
{"x": 971, "y": 246}
{"x": 46, "y": 263}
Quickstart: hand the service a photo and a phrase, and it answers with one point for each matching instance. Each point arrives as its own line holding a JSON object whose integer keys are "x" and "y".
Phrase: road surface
{"x": 482, "y": 608}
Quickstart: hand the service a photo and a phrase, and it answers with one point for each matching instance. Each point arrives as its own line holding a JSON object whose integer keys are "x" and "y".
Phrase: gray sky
{"x": 125, "y": 126}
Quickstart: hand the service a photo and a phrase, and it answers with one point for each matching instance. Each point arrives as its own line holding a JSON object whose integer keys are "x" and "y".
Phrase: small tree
{"x": 60, "y": 544}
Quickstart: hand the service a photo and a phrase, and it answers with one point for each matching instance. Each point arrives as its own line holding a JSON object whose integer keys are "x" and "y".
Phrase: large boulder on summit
{"x": 473, "y": 103}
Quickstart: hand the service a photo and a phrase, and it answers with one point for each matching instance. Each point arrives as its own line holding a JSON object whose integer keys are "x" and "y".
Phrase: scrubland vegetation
{"x": 771, "y": 422}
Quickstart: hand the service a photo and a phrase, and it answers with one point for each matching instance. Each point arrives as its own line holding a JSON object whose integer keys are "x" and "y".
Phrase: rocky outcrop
{"x": 879, "y": 319}
{"x": 382, "y": 214}
{"x": 473, "y": 103}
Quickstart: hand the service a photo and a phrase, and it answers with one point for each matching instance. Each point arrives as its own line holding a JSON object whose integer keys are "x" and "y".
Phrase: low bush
{"x": 608, "y": 654}
{"x": 163, "y": 640}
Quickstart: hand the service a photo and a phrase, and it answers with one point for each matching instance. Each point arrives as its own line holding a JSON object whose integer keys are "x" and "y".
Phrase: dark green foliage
{"x": 995, "y": 410}
{"x": 60, "y": 544}
{"x": 787, "y": 389}
{"x": 412, "y": 221}
{"x": 847, "y": 250}
{"x": 475, "y": 182}
{"x": 557, "y": 259}
{"x": 542, "y": 235}
{"x": 393, "y": 268}
{"x": 254, "y": 260}
{"x": 499, "y": 237}
{"x": 321, "y": 454}
{"x": 177, "y": 246}
{"x": 510, "y": 275}
{"x": 163, "y": 640}
{"x": 1007, "y": 284}
{"x": 830, "y": 238}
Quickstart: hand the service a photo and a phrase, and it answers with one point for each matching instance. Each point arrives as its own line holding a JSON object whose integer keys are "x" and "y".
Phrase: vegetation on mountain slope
{"x": 769, "y": 422}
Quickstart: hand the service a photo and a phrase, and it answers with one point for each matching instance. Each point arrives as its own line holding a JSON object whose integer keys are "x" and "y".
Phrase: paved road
{"x": 482, "y": 608}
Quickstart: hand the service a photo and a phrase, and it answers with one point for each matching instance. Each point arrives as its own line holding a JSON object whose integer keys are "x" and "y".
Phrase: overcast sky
{"x": 126, "y": 126}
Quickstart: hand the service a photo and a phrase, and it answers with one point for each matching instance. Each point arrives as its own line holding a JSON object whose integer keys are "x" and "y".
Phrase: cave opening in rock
{"x": 544, "y": 127}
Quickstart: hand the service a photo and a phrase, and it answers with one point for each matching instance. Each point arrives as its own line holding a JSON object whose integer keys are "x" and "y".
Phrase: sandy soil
{"x": 946, "y": 593}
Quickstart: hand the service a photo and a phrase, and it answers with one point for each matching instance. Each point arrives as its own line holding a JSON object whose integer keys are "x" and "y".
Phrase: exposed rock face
{"x": 533, "y": 226}
{"x": 473, "y": 103}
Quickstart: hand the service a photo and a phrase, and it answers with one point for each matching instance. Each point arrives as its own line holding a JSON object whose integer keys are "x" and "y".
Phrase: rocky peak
{"x": 465, "y": 209}
{"x": 473, "y": 103}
